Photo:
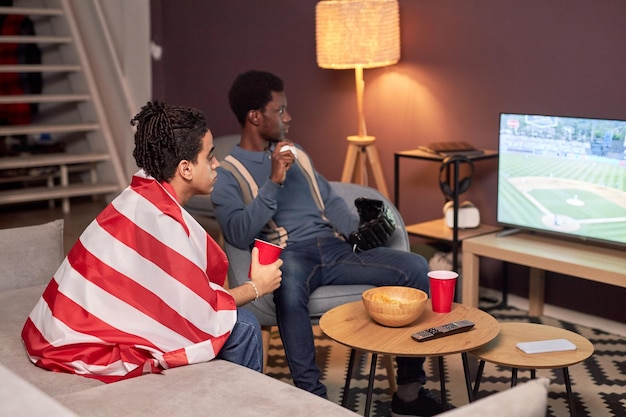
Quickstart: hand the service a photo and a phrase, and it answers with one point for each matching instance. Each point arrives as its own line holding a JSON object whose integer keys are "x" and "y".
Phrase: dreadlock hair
{"x": 165, "y": 136}
{"x": 252, "y": 90}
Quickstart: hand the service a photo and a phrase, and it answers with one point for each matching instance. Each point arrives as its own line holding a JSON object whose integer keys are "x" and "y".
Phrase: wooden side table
{"x": 452, "y": 170}
{"x": 350, "y": 325}
{"x": 503, "y": 351}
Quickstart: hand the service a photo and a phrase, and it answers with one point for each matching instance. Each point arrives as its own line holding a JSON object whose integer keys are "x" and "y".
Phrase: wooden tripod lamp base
{"x": 361, "y": 150}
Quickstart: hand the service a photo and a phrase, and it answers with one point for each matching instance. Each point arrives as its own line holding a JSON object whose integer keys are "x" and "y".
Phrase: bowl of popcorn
{"x": 394, "y": 306}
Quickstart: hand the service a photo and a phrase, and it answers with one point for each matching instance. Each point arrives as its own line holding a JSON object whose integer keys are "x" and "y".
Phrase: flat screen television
{"x": 563, "y": 176}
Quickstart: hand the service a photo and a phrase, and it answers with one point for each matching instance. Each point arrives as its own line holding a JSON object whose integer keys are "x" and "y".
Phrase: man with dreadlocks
{"x": 142, "y": 289}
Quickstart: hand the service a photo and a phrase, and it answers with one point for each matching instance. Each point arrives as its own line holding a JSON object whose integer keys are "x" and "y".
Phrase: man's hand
{"x": 281, "y": 162}
{"x": 266, "y": 278}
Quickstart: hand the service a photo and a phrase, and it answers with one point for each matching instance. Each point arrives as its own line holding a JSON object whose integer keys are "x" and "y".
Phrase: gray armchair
{"x": 323, "y": 298}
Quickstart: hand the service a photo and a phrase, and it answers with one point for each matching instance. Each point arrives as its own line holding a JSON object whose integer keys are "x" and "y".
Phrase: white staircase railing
{"x": 70, "y": 109}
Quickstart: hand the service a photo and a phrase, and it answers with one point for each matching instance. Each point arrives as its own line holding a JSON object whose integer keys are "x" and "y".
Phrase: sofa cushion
{"x": 15, "y": 306}
{"x": 210, "y": 388}
{"x": 30, "y": 255}
{"x": 525, "y": 400}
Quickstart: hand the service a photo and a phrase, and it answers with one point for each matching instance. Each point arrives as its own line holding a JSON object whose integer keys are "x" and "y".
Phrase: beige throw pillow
{"x": 30, "y": 255}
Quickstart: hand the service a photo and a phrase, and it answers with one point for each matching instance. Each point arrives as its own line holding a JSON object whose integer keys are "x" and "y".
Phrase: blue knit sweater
{"x": 291, "y": 205}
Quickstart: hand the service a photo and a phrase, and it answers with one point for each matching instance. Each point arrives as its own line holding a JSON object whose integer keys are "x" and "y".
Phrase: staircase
{"x": 67, "y": 149}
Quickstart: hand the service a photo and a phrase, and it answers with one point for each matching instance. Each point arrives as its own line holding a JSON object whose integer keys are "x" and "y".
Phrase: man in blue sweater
{"x": 271, "y": 191}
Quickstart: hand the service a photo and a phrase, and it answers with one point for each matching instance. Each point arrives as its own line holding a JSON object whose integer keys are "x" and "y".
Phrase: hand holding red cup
{"x": 268, "y": 253}
{"x": 267, "y": 273}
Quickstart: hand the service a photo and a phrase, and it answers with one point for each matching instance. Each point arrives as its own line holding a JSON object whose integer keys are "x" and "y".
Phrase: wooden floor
{"x": 82, "y": 212}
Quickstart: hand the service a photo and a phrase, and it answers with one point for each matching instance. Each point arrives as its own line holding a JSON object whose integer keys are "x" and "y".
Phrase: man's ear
{"x": 253, "y": 117}
{"x": 185, "y": 169}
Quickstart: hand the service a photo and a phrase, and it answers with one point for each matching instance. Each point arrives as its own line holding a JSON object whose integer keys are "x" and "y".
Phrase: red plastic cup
{"x": 268, "y": 252}
{"x": 442, "y": 284}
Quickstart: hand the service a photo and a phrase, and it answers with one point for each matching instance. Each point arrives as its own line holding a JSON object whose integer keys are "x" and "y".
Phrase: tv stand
{"x": 541, "y": 253}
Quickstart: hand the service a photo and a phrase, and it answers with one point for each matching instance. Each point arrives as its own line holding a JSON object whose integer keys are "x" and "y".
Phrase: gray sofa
{"x": 28, "y": 258}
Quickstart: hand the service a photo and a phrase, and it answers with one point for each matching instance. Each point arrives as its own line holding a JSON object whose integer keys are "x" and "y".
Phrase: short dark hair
{"x": 165, "y": 136}
{"x": 252, "y": 90}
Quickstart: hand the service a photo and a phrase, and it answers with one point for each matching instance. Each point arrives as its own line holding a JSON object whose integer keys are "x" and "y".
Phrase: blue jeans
{"x": 244, "y": 346}
{"x": 330, "y": 261}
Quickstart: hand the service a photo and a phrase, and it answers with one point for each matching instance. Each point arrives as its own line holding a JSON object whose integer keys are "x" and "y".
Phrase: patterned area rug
{"x": 599, "y": 383}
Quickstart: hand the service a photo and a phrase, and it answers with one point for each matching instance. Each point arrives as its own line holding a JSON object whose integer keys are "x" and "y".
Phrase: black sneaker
{"x": 424, "y": 405}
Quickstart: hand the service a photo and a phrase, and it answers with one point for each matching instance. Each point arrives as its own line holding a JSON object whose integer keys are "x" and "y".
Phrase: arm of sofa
{"x": 19, "y": 398}
{"x": 524, "y": 400}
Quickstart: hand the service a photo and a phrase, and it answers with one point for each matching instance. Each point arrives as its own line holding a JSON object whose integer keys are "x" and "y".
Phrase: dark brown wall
{"x": 463, "y": 62}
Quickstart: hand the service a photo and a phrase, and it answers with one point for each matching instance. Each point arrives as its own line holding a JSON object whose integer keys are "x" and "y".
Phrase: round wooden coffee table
{"x": 350, "y": 325}
{"x": 503, "y": 351}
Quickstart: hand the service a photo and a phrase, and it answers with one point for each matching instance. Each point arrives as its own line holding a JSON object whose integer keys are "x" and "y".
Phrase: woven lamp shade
{"x": 351, "y": 33}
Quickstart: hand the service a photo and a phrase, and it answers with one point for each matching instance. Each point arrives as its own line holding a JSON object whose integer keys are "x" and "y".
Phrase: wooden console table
{"x": 540, "y": 253}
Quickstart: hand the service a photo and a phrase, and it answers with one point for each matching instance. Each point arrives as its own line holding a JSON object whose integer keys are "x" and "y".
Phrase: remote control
{"x": 444, "y": 330}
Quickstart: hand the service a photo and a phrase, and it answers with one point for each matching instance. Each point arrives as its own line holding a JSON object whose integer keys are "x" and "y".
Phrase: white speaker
{"x": 469, "y": 216}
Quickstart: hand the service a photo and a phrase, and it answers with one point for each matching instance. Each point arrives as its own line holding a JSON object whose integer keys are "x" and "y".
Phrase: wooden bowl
{"x": 394, "y": 306}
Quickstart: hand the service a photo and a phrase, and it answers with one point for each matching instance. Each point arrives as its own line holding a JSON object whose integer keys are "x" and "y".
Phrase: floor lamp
{"x": 358, "y": 34}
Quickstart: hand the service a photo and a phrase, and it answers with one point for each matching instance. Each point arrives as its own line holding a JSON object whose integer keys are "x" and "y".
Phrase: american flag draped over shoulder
{"x": 140, "y": 291}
